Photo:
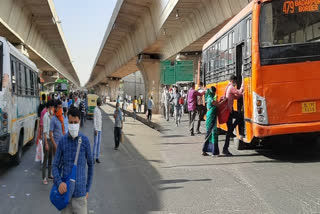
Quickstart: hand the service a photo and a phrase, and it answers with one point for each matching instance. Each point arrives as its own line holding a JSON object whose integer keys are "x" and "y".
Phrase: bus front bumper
{"x": 261, "y": 131}
{"x": 4, "y": 143}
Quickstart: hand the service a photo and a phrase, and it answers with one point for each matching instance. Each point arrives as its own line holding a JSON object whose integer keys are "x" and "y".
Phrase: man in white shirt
{"x": 47, "y": 144}
{"x": 97, "y": 122}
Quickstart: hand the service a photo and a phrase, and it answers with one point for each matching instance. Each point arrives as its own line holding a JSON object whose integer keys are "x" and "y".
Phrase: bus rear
{"x": 286, "y": 98}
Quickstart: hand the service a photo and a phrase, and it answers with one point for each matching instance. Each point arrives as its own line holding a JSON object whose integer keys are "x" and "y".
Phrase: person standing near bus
{"x": 57, "y": 125}
{"x": 201, "y": 108}
{"x": 135, "y": 103}
{"x": 192, "y": 103}
{"x": 63, "y": 164}
{"x": 231, "y": 94}
{"x": 47, "y": 144}
{"x": 97, "y": 123}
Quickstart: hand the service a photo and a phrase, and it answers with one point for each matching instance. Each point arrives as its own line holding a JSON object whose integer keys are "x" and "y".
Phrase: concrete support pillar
{"x": 113, "y": 89}
{"x": 101, "y": 90}
{"x": 150, "y": 69}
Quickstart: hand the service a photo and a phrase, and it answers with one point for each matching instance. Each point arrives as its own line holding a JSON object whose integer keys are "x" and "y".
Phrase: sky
{"x": 84, "y": 23}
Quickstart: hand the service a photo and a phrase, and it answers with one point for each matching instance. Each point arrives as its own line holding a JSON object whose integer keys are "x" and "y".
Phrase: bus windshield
{"x": 289, "y": 22}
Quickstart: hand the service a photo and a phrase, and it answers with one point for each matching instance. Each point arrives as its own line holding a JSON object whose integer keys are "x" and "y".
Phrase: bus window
{"x": 1, "y": 65}
{"x": 26, "y": 81}
{"x": 248, "y": 37}
{"x": 20, "y": 78}
{"x": 279, "y": 26}
{"x": 13, "y": 75}
{"x": 31, "y": 82}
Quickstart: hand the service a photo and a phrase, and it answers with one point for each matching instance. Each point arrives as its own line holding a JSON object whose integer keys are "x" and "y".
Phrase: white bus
{"x": 19, "y": 100}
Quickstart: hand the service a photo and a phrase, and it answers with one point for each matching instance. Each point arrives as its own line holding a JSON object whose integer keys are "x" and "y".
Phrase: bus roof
{"x": 16, "y": 53}
{"x": 244, "y": 12}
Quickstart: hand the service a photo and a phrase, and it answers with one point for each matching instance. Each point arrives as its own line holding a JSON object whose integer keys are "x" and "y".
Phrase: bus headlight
{"x": 260, "y": 115}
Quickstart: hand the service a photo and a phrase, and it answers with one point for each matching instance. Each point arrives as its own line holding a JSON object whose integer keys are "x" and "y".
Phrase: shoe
{"x": 233, "y": 135}
{"x": 198, "y": 132}
{"x": 176, "y": 125}
{"x": 227, "y": 153}
{"x": 205, "y": 154}
{"x": 214, "y": 156}
{"x": 98, "y": 161}
{"x": 50, "y": 178}
{"x": 45, "y": 182}
{"x": 115, "y": 148}
{"x": 192, "y": 134}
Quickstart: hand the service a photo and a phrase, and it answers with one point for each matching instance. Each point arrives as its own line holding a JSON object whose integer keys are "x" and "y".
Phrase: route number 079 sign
{"x": 300, "y": 6}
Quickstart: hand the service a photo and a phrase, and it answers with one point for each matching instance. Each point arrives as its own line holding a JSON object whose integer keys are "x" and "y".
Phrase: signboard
{"x": 180, "y": 71}
{"x": 300, "y": 6}
{"x": 184, "y": 70}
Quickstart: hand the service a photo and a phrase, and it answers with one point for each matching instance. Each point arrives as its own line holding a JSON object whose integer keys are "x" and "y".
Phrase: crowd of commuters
{"x": 60, "y": 118}
{"x": 205, "y": 104}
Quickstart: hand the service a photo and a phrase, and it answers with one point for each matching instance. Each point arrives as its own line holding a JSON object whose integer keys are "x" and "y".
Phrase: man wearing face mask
{"x": 232, "y": 93}
{"x": 64, "y": 161}
{"x": 57, "y": 125}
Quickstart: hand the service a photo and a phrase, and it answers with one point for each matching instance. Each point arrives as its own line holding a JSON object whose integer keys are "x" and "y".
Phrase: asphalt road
{"x": 122, "y": 182}
{"x": 165, "y": 173}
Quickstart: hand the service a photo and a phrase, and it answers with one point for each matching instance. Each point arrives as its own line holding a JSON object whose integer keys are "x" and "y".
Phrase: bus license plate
{"x": 309, "y": 107}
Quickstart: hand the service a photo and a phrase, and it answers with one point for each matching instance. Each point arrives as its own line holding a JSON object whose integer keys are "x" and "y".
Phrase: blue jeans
{"x": 96, "y": 146}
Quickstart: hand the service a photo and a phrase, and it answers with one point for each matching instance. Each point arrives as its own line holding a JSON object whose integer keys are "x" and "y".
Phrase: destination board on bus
{"x": 300, "y": 6}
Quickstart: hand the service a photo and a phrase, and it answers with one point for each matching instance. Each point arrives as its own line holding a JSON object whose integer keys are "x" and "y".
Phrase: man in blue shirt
{"x": 56, "y": 131}
{"x": 64, "y": 160}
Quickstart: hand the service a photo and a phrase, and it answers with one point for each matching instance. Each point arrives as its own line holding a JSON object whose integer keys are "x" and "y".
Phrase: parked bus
{"x": 61, "y": 85}
{"x": 19, "y": 100}
{"x": 273, "y": 47}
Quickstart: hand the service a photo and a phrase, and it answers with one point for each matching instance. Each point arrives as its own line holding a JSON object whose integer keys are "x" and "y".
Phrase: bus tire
{"x": 18, "y": 156}
{"x": 239, "y": 144}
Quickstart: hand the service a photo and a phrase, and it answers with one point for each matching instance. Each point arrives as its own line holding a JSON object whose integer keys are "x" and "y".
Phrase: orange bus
{"x": 273, "y": 47}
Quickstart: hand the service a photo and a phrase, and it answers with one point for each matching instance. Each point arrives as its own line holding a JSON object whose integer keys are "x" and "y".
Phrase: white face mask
{"x": 74, "y": 130}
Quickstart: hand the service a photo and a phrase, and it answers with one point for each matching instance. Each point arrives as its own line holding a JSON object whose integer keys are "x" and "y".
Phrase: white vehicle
{"x": 19, "y": 100}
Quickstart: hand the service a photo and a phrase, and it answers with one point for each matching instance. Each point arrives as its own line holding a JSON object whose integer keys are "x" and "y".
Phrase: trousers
{"x": 192, "y": 117}
{"x": 76, "y": 206}
{"x": 96, "y": 145}
{"x": 47, "y": 159}
{"x": 117, "y": 136}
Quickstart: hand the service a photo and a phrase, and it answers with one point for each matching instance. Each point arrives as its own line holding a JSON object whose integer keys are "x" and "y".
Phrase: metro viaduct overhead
{"x": 34, "y": 25}
{"x": 141, "y": 30}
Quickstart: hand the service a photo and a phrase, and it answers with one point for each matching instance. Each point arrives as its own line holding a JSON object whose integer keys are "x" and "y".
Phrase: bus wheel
{"x": 18, "y": 156}
{"x": 239, "y": 144}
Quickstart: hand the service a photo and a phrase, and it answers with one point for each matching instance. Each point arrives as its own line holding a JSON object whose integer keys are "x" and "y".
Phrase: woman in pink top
{"x": 232, "y": 93}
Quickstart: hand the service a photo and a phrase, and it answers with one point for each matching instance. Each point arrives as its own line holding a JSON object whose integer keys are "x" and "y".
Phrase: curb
{"x": 152, "y": 125}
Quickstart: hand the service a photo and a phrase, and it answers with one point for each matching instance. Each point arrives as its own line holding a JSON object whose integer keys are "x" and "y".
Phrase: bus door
{"x": 239, "y": 75}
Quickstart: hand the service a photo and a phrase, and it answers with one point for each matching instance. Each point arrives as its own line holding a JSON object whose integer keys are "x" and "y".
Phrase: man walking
{"x": 47, "y": 144}
{"x": 177, "y": 109}
{"x": 232, "y": 93}
{"x": 64, "y": 161}
{"x": 166, "y": 103}
{"x": 201, "y": 107}
{"x": 117, "y": 126}
{"x": 192, "y": 100}
{"x": 97, "y": 122}
{"x": 57, "y": 125}
{"x": 150, "y": 107}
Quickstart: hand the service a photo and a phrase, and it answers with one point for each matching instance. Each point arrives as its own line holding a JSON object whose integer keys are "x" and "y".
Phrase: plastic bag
{"x": 39, "y": 152}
